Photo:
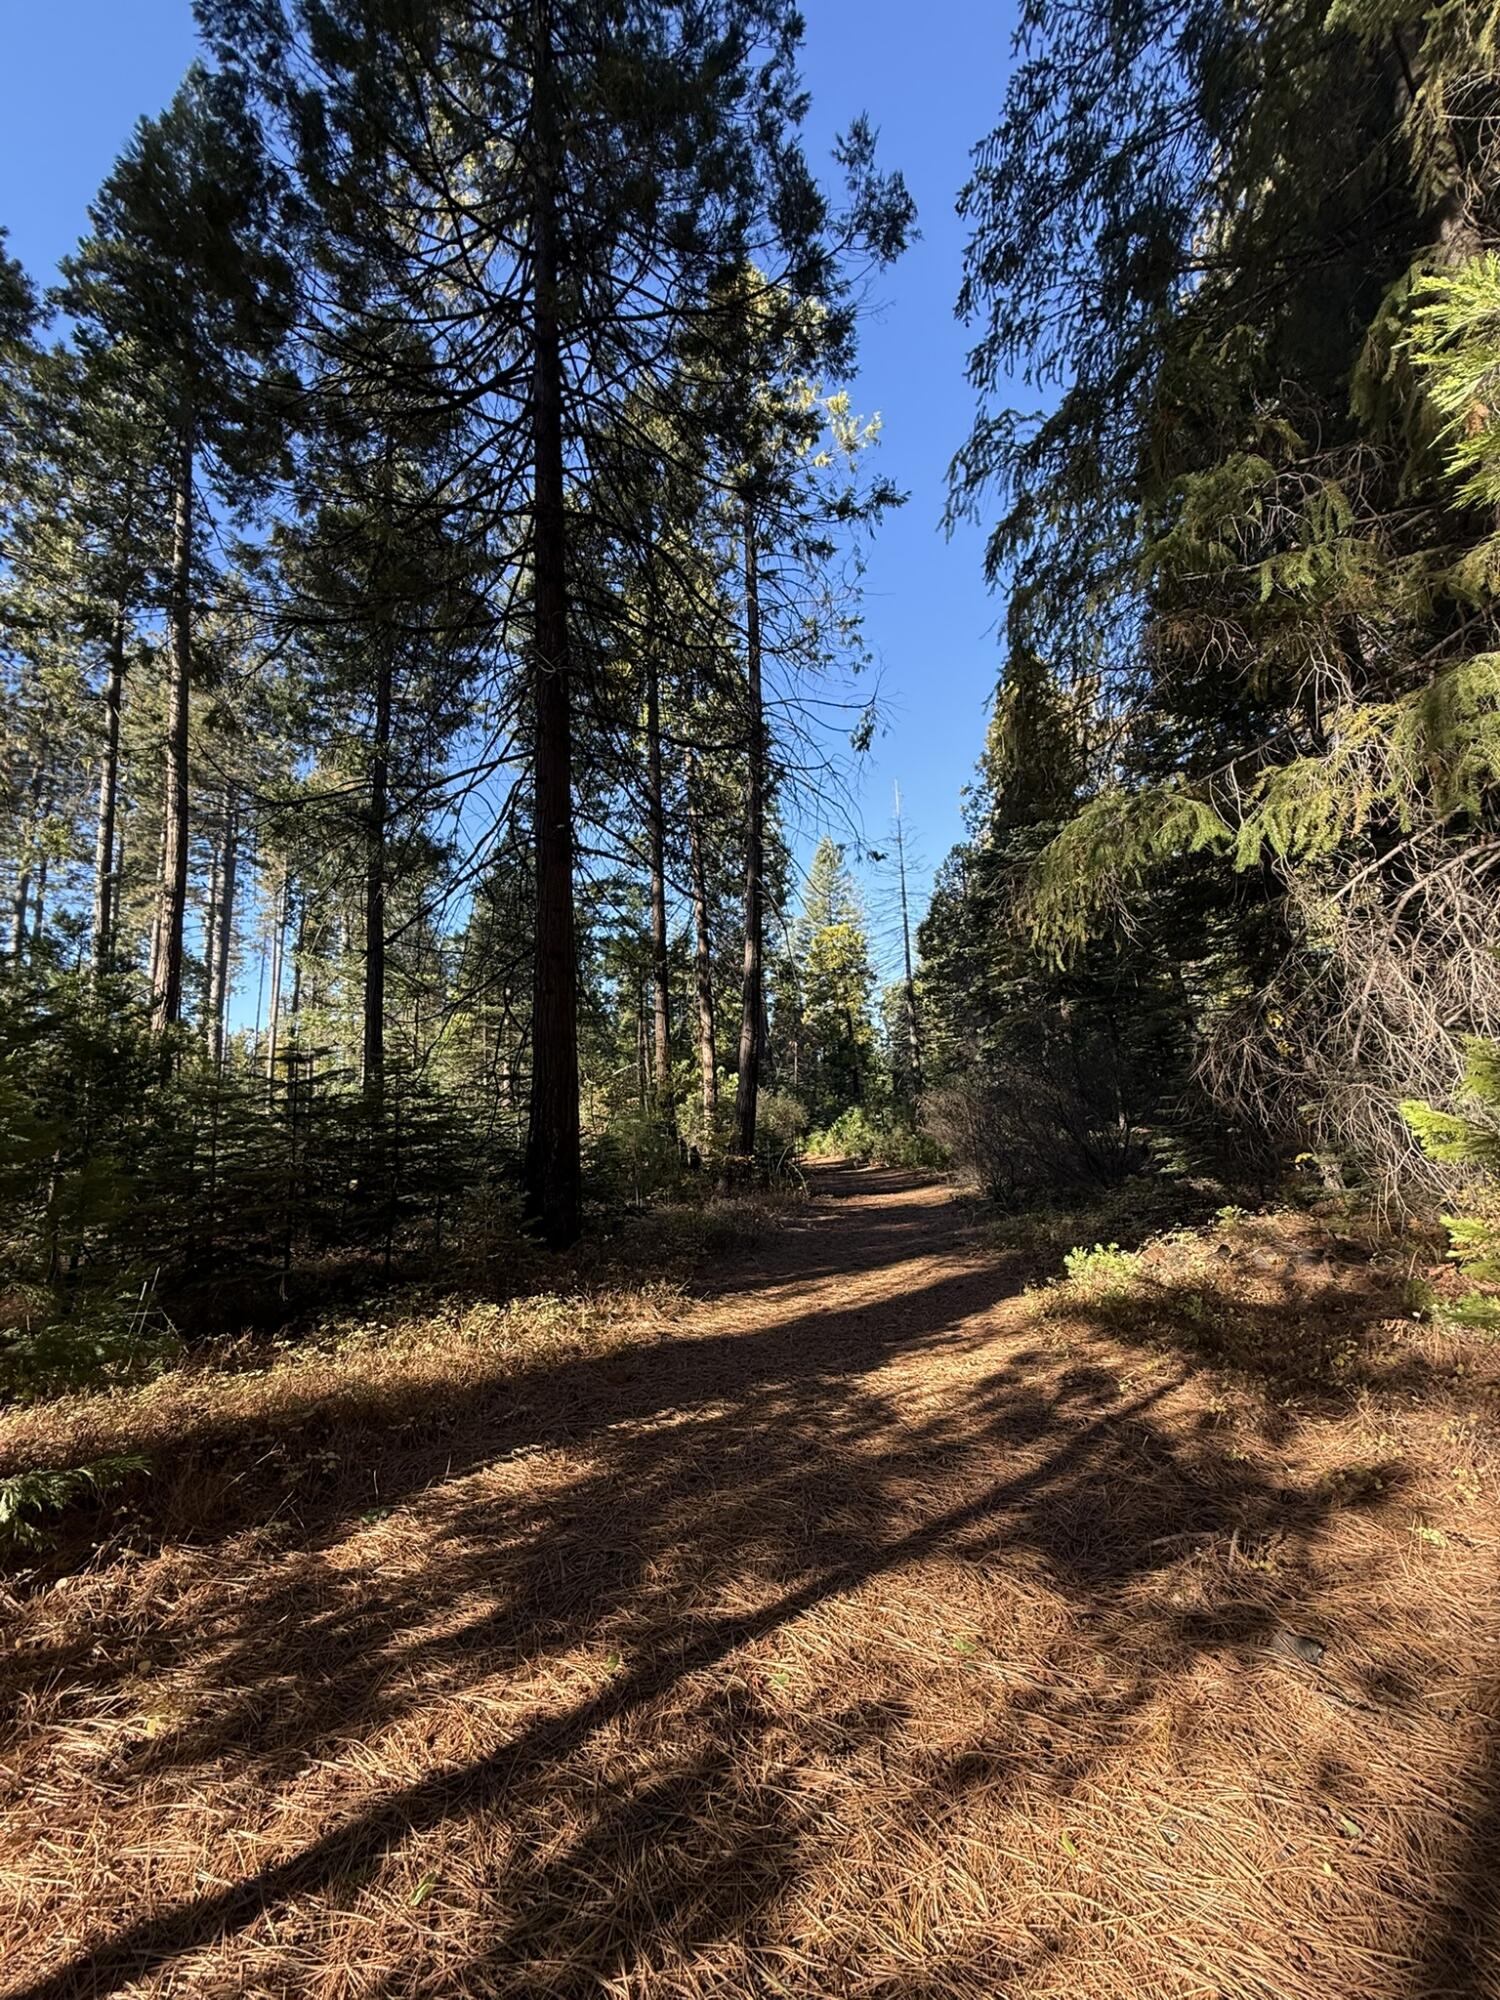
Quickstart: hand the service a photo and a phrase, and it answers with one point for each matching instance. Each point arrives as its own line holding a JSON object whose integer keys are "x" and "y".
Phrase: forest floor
{"x": 866, "y": 1627}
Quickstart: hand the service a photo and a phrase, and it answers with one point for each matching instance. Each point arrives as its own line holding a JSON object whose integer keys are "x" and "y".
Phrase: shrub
{"x": 856, "y": 1134}
{"x": 1470, "y": 1138}
{"x": 780, "y": 1121}
{"x": 27, "y": 1497}
{"x": 1103, "y": 1272}
{"x": 1017, "y": 1133}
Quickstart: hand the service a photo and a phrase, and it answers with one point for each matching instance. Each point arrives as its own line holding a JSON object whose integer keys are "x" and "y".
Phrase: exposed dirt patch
{"x": 865, "y": 1631}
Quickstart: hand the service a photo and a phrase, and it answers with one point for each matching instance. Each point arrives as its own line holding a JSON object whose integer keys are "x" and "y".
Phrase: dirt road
{"x": 860, "y": 1634}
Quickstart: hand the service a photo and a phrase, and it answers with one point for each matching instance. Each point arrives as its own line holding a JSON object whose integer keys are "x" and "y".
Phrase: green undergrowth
{"x": 1298, "y": 1302}
{"x": 882, "y": 1141}
{"x": 1116, "y": 1220}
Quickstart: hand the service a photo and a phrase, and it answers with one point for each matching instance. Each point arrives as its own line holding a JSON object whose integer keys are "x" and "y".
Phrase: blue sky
{"x": 77, "y": 74}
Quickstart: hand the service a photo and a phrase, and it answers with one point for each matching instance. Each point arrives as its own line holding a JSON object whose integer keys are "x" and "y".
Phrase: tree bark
{"x": 166, "y": 989}
{"x": 211, "y": 932}
{"x": 39, "y": 902}
{"x": 752, "y": 997}
{"x": 554, "y": 1174}
{"x": 219, "y": 971}
{"x": 913, "y": 1022}
{"x": 703, "y": 964}
{"x": 22, "y": 901}
{"x": 106, "y": 883}
{"x": 656, "y": 834}
{"x": 375, "y": 879}
{"x": 278, "y": 948}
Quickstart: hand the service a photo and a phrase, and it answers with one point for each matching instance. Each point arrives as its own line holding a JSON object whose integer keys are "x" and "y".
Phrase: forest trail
{"x": 861, "y": 1634}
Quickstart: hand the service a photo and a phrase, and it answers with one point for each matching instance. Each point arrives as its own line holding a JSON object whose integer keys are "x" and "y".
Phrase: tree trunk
{"x": 656, "y": 832}
{"x": 278, "y": 948}
{"x": 39, "y": 903}
{"x": 22, "y": 901}
{"x": 703, "y": 964}
{"x": 554, "y": 1173}
{"x": 755, "y": 807}
{"x": 219, "y": 971}
{"x": 642, "y": 1051}
{"x": 913, "y": 1023}
{"x": 211, "y": 930}
{"x": 375, "y": 870}
{"x": 106, "y": 883}
{"x": 299, "y": 943}
{"x": 166, "y": 990}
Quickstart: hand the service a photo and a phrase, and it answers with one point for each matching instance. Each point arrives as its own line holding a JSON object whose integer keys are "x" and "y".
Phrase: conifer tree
{"x": 181, "y": 275}
{"x": 836, "y": 983}
{"x": 1233, "y": 533}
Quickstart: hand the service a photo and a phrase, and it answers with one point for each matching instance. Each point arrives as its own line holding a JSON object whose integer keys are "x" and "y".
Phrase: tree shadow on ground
{"x": 746, "y": 1673}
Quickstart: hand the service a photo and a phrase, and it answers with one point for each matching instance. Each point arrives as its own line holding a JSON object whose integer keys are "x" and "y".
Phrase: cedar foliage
{"x": 1247, "y": 260}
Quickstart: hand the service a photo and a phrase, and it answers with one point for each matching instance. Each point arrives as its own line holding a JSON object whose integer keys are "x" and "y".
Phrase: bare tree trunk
{"x": 22, "y": 902}
{"x": 278, "y": 949}
{"x": 211, "y": 929}
{"x": 166, "y": 990}
{"x": 752, "y": 999}
{"x": 656, "y": 833}
{"x": 703, "y": 964}
{"x": 106, "y": 883}
{"x": 39, "y": 905}
{"x": 554, "y": 1173}
{"x": 154, "y": 962}
{"x": 375, "y": 870}
{"x": 642, "y": 1051}
{"x": 913, "y": 1022}
{"x": 218, "y": 990}
{"x": 299, "y": 943}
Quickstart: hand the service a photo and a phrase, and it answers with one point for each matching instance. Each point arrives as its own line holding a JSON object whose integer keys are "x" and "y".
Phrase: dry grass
{"x": 863, "y": 1631}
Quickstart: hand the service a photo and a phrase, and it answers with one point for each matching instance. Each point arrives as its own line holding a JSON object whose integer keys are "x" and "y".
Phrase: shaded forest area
{"x": 433, "y": 532}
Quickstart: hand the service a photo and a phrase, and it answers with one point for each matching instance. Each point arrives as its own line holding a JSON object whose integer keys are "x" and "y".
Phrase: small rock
{"x": 1310, "y": 1260}
{"x": 1300, "y": 1647}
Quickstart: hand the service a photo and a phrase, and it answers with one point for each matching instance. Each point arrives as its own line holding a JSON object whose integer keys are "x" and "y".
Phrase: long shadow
{"x": 730, "y": 1487}
{"x": 148, "y": 1944}
{"x": 1313, "y": 1339}
{"x": 448, "y": 1428}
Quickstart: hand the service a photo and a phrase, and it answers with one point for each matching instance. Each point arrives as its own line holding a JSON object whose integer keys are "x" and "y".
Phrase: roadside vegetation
{"x": 598, "y": 1394}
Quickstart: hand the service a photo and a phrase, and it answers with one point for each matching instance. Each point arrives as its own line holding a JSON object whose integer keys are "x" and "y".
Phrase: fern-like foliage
{"x": 1469, "y": 1136}
{"x": 27, "y": 1499}
{"x": 1083, "y": 876}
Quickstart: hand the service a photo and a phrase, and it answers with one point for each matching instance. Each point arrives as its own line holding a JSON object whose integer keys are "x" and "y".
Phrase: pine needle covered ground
{"x": 865, "y": 1628}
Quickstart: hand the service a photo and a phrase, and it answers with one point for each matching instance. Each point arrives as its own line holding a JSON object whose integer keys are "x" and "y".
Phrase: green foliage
{"x": 1105, "y": 1271}
{"x": 1252, "y": 538}
{"x": 833, "y": 988}
{"x": 27, "y": 1499}
{"x": 1469, "y": 1137}
{"x": 1109, "y": 848}
{"x": 132, "y": 1197}
{"x": 1454, "y": 338}
{"x": 635, "y": 1160}
{"x": 858, "y": 1134}
{"x": 780, "y": 1126}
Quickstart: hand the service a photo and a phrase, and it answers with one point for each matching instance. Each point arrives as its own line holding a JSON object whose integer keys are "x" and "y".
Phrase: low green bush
{"x": 857, "y": 1134}
{"x": 1102, "y": 1271}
